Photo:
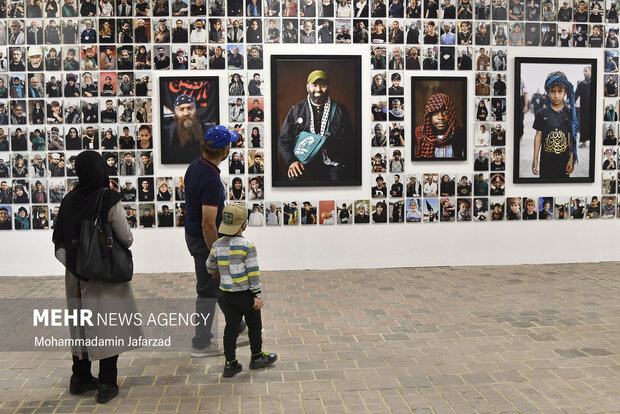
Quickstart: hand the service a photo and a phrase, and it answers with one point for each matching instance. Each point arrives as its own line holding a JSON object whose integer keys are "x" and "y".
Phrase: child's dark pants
{"x": 236, "y": 305}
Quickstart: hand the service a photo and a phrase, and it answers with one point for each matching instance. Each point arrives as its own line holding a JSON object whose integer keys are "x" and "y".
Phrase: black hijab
{"x": 237, "y": 193}
{"x": 79, "y": 204}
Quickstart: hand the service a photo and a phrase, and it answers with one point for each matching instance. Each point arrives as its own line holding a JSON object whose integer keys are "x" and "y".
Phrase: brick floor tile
{"x": 508, "y": 339}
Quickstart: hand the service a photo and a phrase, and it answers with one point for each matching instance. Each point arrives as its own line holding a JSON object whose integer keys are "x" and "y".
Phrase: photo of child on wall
{"x": 554, "y": 141}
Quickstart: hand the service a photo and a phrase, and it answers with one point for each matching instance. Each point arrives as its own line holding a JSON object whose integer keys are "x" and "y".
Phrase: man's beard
{"x": 318, "y": 100}
{"x": 188, "y": 129}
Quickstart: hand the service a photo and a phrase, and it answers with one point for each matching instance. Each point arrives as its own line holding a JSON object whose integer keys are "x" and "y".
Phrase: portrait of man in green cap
{"x": 316, "y": 140}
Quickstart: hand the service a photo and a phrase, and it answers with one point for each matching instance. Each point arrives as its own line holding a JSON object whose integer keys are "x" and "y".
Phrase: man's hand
{"x": 216, "y": 274}
{"x": 258, "y": 303}
{"x": 296, "y": 169}
{"x": 570, "y": 166}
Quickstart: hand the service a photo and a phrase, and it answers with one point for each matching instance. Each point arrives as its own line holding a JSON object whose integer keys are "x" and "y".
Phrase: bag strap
{"x": 331, "y": 116}
{"x": 98, "y": 203}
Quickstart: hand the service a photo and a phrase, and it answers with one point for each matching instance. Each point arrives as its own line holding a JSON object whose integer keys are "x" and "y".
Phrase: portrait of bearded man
{"x": 186, "y": 117}
{"x": 316, "y": 138}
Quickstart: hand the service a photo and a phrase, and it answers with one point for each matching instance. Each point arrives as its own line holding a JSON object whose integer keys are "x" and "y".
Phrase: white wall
{"x": 369, "y": 246}
{"x": 365, "y": 246}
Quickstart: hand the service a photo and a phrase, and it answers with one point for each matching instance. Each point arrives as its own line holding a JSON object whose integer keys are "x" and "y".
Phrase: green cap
{"x": 316, "y": 75}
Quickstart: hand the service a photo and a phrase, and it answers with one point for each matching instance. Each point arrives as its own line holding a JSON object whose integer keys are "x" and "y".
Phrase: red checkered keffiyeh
{"x": 425, "y": 134}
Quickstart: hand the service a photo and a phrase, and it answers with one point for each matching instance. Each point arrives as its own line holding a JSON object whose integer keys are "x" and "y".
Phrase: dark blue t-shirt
{"x": 203, "y": 187}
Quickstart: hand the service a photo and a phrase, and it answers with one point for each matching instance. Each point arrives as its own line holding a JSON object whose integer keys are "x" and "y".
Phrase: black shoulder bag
{"x": 101, "y": 256}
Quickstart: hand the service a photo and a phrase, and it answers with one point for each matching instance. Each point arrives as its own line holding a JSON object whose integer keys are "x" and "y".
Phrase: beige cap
{"x": 233, "y": 217}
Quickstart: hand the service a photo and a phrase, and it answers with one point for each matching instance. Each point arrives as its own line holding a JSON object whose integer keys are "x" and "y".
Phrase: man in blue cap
{"x": 204, "y": 202}
{"x": 183, "y": 137}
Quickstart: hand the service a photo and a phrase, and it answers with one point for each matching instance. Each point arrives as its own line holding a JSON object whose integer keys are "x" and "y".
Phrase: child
{"x": 200, "y": 60}
{"x": 481, "y": 212}
{"x": 497, "y": 213}
{"x": 515, "y": 209}
{"x": 413, "y": 214}
{"x": 556, "y": 127}
{"x": 594, "y": 209}
{"x": 529, "y": 212}
{"x": 545, "y": 213}
{"x": 378, "y": 163}
{"x": 464, "y": 210}
{"x": 609, "y": 163}
{"x": 498, "y": 164}
{"x": 233, "y": 259}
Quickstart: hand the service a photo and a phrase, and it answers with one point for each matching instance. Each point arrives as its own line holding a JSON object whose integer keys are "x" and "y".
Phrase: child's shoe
{"x": 232, "y": 368}
{"x": 262, "y": 360}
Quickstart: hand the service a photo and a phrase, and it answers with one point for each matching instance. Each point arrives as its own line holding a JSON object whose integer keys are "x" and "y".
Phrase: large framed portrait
{"x": 189, "y": 107}
{"x": 316, "y": 120}
{"x": 439, "y": 116}
{"x": 555, "y": 120}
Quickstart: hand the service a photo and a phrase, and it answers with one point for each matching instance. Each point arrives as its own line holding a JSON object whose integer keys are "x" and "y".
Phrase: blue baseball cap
{"x": 218, "y": 136}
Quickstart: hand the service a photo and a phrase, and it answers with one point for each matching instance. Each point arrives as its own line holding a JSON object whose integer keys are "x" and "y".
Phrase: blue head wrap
{"x": 571, "y": 102}
{"x": 184, "y": 99}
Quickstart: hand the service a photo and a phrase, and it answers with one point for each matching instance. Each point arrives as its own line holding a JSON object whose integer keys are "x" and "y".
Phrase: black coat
{"x": 339, "y": 143}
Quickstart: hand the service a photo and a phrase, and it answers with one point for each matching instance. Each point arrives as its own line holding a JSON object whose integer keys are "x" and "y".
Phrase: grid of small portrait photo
{"x": 78, "y": 75}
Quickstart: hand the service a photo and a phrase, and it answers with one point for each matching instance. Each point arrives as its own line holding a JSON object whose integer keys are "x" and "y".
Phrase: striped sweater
{"x": 236, "y": 259}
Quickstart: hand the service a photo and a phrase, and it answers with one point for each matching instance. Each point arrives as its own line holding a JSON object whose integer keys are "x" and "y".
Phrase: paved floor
{"x": 511, "y": 339}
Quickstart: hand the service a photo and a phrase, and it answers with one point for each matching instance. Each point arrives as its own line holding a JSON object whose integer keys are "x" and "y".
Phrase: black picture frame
{"x": 205, "y": 90}
{"x": 289, "y": 75}
{"x": 530, "y": 75}
{"x": 422, "y": 89}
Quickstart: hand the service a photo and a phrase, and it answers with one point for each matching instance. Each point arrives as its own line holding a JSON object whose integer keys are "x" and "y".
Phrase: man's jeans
{"x": 208, "y": 290}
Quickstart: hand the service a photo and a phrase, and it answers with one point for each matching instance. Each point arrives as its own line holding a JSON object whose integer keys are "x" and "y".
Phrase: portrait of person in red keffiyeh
{"x": 439, "y": 132}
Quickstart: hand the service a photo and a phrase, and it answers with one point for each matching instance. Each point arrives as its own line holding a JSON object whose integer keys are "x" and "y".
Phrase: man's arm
{"x": 570, "y": 165}
{"x": 209, "y": 229}
{"x": 212, "y": 263}
{"x": 286, "y": 142}
{"x": 342, "y": 129}
{"x": 537, "y": 145}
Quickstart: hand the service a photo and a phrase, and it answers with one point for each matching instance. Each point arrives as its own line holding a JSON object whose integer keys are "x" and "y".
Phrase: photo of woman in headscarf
{"x": 237, "y": 191}
{"x": 255, "y": 138}
{"x": 236, "y": 87}
{"x": 439, "y": 132}
{"x": 163, "y": 192}
{"x": 37, "y": 113}
{"x": 20, "y": 195}
{"x": 22, "y": 219}
{"x": 378, "y": 84}
{"x": 482, "y": 112}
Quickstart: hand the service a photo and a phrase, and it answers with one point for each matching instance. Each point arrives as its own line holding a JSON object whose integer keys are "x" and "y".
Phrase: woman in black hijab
{"x": 255, "y": 137}
{"x": 100, "y": 298}
{"x": 236, "y": 192}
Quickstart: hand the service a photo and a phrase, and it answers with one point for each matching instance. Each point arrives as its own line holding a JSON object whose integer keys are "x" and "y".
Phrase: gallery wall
{"x": 435, "y": 240}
